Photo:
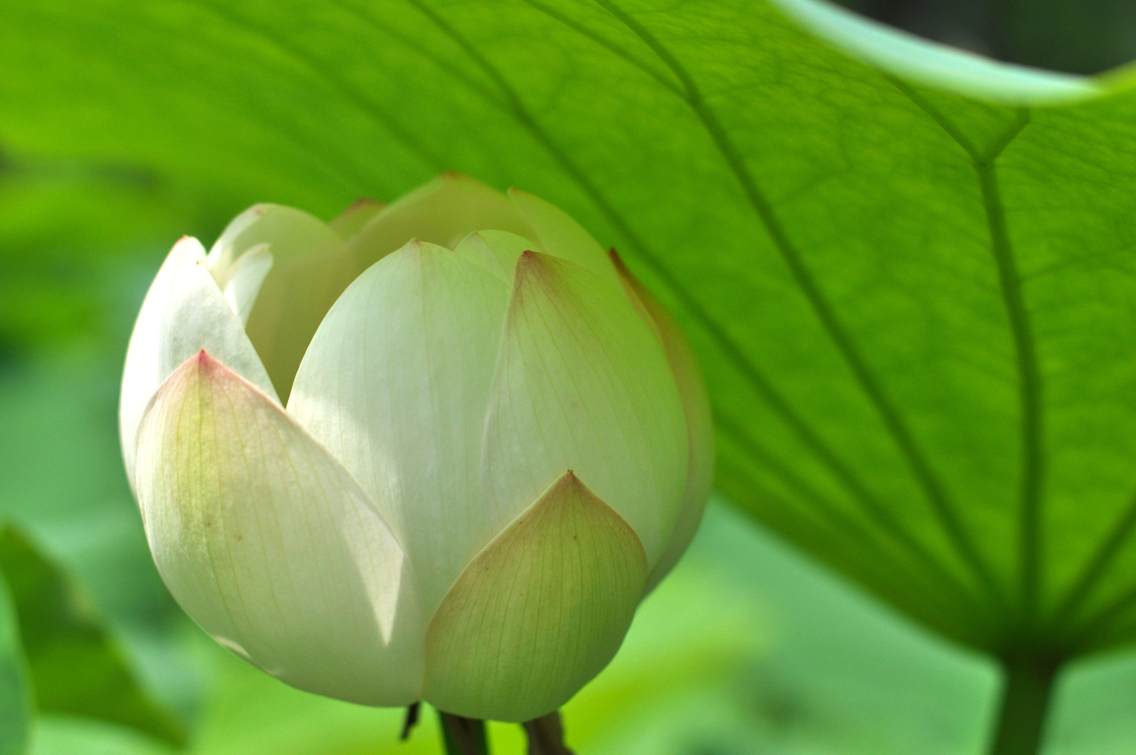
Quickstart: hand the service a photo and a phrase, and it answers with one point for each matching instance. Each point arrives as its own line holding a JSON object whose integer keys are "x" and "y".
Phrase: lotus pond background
{"x": 124, "y": 127}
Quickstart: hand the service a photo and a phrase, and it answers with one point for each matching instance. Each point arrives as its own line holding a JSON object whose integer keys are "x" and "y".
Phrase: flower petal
{"x": 558, "y": 234}
{"x": 351, "y": 221}
{"x": 270, "y": 546}
{"x": 699, "y": 423}
{"x": 310, "y": 268}
{"x": 183, "y": 312}
{"x": 442, "y": 212}
{"x": 242, "y": 281}
{"x": 582, "y": 383}
{"x": 496, "y": 250}
{"x": 294, "y": 231}
{"x": 395, "y": 384}
{"x": 539, "y": 612}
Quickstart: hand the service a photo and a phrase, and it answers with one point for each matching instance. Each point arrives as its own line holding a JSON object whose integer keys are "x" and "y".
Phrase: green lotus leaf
{"x": 907, "y": 272}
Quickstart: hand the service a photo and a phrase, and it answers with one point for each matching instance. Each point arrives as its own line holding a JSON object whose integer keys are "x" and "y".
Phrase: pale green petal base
{"x": 539, "y": 612}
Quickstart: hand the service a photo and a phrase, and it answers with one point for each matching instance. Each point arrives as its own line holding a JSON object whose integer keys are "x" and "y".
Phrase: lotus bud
{"x": 437, "y": 450}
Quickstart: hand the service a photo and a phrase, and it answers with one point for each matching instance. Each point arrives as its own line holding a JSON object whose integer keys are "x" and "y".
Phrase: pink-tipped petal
{"x": 269, "y": 545}
{"x": 183, "y": 312}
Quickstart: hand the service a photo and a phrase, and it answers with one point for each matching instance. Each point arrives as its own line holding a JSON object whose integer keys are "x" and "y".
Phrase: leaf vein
{"x": 344, "y": 87}
{"x": 1097, "y": 566}
{"x": 1030, "y": 386}
{"x": 729, "y": 347}
{"x": 840, "y": 520}
{"x": 1030, "y": 389}
{"x": 904, "y": 440}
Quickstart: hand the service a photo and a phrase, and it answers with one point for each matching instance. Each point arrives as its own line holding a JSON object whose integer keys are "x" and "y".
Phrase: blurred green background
{"x": 747, "y": 648}
{"x": 1077, "y": 36}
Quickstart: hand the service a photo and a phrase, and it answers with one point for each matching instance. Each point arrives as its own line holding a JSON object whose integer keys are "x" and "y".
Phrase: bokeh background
{"x": 748, "y": 648}
{"x": 1075, "y": 36}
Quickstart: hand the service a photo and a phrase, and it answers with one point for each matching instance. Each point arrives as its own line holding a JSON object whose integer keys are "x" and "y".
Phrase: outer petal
{"x": 310, "y": 268}
{"x": 582, "y": 383}
{"x": 700, "y": 425}
{"x": 539, "y": 612}
{"x": 351, "y": 221}
{"x": 558, "y": 234}
{"x": 442, "y": 212}
{"x": 183, "y": 312}
{"x": 395, "y": 384}
{"x": 270, "y": 546}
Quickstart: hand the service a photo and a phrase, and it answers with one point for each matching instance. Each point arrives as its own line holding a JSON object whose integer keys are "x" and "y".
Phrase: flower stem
{"x": 1027, "y": 691}
{"x": 463, "y": 736}
{"x": 410, "y": 721}
{"x": 546, "y": 735}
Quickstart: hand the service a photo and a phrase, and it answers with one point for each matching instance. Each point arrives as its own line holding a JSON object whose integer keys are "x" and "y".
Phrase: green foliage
{"x": 908, "y": 273}
{"x": 74, "y": 667}
{"x": 911, "y": 303}
{"x": 15, "y": 703}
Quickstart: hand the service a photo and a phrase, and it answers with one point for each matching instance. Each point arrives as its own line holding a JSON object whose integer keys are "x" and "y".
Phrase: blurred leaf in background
{"x": 73, "y": 665}
{"x": 829, "y": 231}
{"x": 15, "y": 698}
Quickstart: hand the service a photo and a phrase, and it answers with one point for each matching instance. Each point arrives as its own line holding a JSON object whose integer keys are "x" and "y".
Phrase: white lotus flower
{"x": 437, "y": 450}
